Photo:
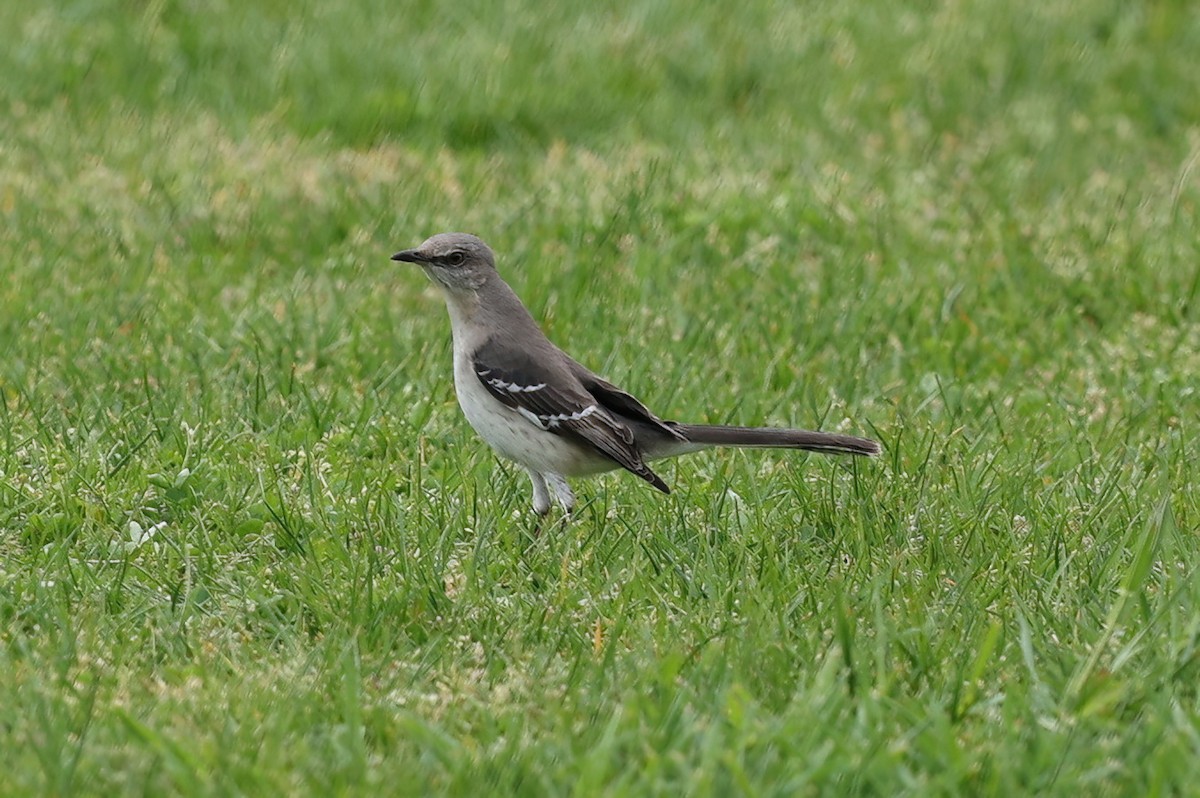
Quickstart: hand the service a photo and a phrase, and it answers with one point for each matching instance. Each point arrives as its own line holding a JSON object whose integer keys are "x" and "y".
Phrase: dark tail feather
{"x": 768, "y": 438}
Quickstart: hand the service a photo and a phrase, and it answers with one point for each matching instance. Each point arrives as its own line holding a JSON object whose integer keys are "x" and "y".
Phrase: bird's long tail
{"x": 770, "y": 438}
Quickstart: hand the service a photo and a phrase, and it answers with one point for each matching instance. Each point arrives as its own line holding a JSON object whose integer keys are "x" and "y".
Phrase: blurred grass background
{"x": 248, "y": 545}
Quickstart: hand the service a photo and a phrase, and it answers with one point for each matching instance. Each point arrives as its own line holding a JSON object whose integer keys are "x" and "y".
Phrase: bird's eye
{"x": 455, "y": 259}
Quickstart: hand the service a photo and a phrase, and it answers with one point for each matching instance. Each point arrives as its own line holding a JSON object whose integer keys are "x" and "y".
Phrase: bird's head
{"x": 458, "y": 262}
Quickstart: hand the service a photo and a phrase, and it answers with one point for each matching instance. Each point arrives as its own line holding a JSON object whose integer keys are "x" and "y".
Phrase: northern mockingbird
{"x": 536, "y": 406}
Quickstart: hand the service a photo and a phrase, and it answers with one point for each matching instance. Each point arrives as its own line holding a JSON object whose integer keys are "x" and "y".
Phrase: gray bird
{"x": 536, "y": 406}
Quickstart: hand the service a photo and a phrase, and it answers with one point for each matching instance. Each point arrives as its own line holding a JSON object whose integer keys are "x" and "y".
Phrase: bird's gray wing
{"x": 554, "y": 400}
{"x": 621, "y": 402}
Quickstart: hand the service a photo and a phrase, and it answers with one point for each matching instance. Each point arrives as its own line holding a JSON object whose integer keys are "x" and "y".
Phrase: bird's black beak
{"x": 410, "y": 256}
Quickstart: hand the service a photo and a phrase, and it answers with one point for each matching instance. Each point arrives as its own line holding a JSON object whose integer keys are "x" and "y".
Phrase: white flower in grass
{"x": 138, "y": 536}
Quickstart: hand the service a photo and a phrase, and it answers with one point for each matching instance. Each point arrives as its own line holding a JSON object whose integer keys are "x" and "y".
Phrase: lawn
{"x": 249, "y": 546}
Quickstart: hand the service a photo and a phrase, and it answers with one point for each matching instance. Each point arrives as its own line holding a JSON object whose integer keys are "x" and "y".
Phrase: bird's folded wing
{"x": 621, "y": 402}
{"x": 554, "y": 401}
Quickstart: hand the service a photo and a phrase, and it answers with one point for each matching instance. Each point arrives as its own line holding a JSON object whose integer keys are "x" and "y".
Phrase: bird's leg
{"x": 562, "y": 491}
{"x": 541, "y": 496}
{"x": 543, "y": 484}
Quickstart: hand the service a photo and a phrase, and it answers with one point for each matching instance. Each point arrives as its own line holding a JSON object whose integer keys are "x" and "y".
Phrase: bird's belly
{"x": 516, "y": 438}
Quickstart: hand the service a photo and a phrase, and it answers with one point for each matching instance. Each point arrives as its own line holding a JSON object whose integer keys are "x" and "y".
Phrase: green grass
{"x": 249, "y": 546}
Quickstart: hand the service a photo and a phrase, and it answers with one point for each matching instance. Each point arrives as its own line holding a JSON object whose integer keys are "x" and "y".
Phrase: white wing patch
{"x": 511, "y": 387}
{"x": 552, "y": 420}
